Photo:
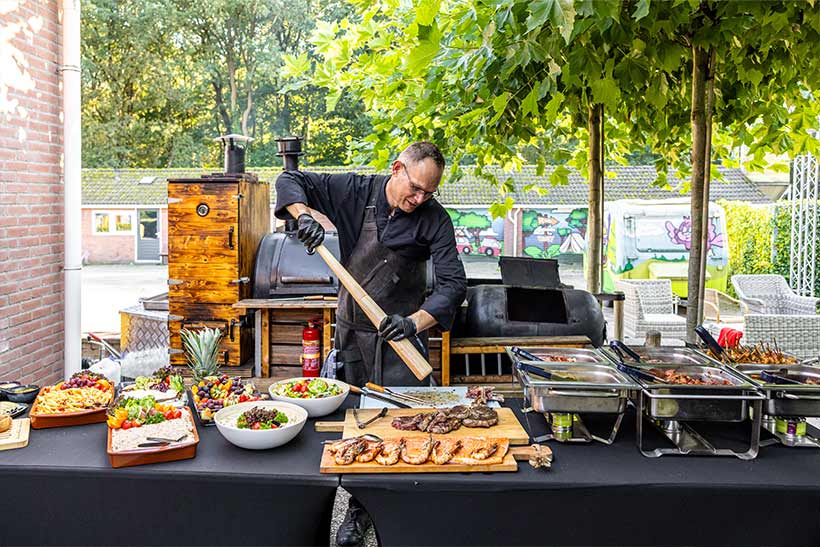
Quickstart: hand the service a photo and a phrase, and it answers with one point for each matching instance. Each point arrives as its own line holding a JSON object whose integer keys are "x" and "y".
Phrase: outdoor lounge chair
{"x": 770, "y": 294}
{"x": 650, "y": 306}
{"x": 722, "y": 308}
{"x": 795, "y": 334}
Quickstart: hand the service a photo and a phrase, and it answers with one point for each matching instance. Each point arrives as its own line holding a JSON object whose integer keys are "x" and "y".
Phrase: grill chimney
{"x": 290, "y": 148}
{"x": 234, "y": 147}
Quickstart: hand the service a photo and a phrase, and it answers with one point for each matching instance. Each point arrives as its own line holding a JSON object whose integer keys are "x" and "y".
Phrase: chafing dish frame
{"x": 785, "y": 400}
{"x": 576, "y": 397}
{"x": 672, "y": 408}
{"x": 684, "y": 356}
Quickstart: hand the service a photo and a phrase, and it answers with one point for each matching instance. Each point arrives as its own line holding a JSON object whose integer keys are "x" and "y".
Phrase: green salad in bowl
{"x": 307, "y": 389}
{"x": 319, "y": 396}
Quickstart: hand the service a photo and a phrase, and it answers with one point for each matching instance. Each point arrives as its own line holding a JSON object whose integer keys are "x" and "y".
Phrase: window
{"x": 112, "y": 222}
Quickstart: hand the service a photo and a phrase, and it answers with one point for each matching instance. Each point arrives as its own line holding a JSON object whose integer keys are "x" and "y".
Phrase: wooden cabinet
{"x": 215, "y": 224}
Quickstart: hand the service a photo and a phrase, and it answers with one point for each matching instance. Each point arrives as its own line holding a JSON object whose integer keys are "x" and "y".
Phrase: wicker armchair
{"x": 715, "y": 307}
{"x": 795, "y": 334}
{"x": 770, "y": 294}
{"x": 650, "y": 305}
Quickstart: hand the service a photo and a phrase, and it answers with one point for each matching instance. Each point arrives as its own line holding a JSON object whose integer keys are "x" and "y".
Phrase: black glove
{"x": 396, "y": 327}
{"x": 310, "y": 232}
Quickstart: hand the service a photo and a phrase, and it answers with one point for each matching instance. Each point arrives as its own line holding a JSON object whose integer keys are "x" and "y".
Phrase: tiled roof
{"x": 123, "y": 187}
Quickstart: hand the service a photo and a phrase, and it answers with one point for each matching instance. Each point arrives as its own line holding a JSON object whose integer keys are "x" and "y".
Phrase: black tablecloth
{"x": 61, "y": 490}
{"x": 604, "y": 495}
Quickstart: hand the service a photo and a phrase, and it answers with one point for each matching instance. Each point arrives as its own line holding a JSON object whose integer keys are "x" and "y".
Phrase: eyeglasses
{"x": 416, "y": 189}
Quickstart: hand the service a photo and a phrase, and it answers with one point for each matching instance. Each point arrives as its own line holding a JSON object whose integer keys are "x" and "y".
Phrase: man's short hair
{"x": 419, "y": 151}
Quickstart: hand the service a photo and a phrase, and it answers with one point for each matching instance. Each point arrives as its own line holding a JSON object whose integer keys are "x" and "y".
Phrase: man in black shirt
{"x": 389, "y": 226}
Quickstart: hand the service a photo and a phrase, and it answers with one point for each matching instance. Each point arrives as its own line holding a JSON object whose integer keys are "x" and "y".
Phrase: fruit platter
{"x": 164, "y": 385}
{"x": 82, "y": 399}
{"x": 143, "y": 431}
{"x": 213, "y": 393}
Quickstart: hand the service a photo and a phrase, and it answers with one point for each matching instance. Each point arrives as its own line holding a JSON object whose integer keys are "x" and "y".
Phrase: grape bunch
{"x": 81, "y": 379}
{"x": 215, "y": 392}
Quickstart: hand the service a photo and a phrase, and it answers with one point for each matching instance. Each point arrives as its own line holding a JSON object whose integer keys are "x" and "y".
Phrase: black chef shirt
{"x": 426, "y": 232}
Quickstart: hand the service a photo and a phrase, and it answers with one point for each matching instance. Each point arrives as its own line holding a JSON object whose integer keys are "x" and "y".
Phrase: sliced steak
{"x": 425, "y": 421}
{"x": 406, "y": 423}
{"x": 480, "y": 416}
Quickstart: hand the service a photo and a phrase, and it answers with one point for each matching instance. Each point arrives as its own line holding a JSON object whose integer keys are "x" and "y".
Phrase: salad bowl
{"x": 228, "y": 423}
{"x": 319, "y": 396}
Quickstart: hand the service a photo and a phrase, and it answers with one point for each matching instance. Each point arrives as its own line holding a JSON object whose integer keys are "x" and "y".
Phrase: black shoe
{"x": 355, "y": 524}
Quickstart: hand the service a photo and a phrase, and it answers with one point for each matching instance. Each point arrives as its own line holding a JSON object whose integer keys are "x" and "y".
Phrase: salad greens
{"x": 261, "y": 418}
{"x": 316, "y": 388}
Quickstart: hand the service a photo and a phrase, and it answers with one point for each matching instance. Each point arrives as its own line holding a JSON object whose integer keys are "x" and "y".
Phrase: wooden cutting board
{"x": 328, "y": 465}
{"x": 17, "y": 436}
{"x": 508, "y": 426}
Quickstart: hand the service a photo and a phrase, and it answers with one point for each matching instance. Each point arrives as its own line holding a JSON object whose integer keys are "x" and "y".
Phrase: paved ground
{"x": 108, "y": 289}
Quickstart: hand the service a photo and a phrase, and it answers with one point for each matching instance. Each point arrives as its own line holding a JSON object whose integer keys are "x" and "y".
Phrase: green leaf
{"x": 426, "y": 11}
{"x": 294, "y": 66}
{"x": 542, "y": 11}
{"x": 499, "y": 105}
{"x": 559, "y": 176}
{"x": 551, "y": 110}
{"x": 530, "y": 103}
{"x": 641, "y": 10}
{"x": 606, "y": 92}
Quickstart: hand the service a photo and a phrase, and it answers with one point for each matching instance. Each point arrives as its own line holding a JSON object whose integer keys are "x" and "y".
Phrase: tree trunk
{"x": 595, "y": 221}
{"x": 700, "y": 68}
{"x": 220, "y": 105}
{"x": 707, "y": 179}
{"x": 248, "y": 108}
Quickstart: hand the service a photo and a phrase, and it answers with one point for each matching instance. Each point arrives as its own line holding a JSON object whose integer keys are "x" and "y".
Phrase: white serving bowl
{"x": 260, "y": 439}
{"x": 317, "y": 406}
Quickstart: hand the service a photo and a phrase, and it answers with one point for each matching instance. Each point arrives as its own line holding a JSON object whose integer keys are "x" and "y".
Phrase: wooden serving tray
{"x": 328, "y": 465}
{"x": 84, "y": 417}
{"x": 508, "y": 426}
{"x": 146, "y": 456}
{"x": 17, "y": 436}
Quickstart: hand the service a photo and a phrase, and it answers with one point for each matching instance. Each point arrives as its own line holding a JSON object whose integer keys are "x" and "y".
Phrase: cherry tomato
{"x": 137, "y": 424}
{"x": 126, "y": 424}
{"x": 169, "y": 415}
{"x": 177, "y": 413}
{"x": 257, "y": 425}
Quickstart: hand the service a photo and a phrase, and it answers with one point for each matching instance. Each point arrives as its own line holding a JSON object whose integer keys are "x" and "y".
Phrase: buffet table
{"x": 604, "y": 495}
{"x": 61, "y": 490}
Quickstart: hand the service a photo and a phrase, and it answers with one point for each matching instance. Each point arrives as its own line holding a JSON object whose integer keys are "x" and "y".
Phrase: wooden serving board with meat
{"x": 414, "y": 454}
{"x": 459, "y": 421}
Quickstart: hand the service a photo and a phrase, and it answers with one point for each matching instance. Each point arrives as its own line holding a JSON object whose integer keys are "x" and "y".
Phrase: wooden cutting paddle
{"x": 404, "y": 348}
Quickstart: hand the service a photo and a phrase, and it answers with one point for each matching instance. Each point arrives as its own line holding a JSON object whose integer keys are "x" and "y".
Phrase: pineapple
{"x": 201, "y": 349}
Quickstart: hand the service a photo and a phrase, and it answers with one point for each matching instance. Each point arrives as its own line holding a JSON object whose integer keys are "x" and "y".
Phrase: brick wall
{"x": 31, "y": 193}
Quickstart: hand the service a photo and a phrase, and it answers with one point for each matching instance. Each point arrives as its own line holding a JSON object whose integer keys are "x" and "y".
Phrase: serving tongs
{"x": 380, "y": 396}
{"x": 532, "y": 369}
{"x": 620, "y": 349}
{"x": 712, "y": 344}
{"x": 525, "y": 355}
{"x": 398, "y": 395}
{"x": 774, "y": 377}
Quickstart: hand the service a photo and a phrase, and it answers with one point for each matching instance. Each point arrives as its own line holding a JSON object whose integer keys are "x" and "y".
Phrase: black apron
{"x": 397, "y": 284}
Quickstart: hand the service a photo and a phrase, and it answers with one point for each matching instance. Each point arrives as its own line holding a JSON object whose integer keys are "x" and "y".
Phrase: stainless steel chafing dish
{"x": 697, "y": 402}
{"x": 564, "y": 389}
{"x": 654, "y": 356}
{"x": 787, "y": 399}
{"x": 576, "y": 387}
{"x": 554, "y": 355}
{"x": 671, "y": 406}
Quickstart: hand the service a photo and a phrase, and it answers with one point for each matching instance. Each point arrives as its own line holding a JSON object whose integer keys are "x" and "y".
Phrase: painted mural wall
{"x": 477, "y": 232}
{"x": 551, "y": 232}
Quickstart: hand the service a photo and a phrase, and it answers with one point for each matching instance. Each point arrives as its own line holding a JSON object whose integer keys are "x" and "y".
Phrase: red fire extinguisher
{"x": 311, "y": 349}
